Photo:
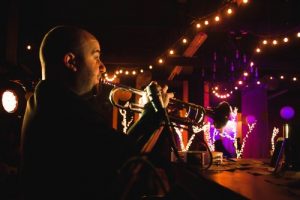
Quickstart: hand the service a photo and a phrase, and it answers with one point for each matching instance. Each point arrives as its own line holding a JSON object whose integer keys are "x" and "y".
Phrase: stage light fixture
{"x": 13, "y": 98}
{"x": 9, "y": 101}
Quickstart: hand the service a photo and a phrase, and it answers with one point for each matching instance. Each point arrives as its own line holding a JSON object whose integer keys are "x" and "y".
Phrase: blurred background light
{"x": 287, "y": 112}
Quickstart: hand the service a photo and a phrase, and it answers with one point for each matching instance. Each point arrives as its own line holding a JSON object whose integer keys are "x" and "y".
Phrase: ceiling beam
{"x": 189, "y": 52}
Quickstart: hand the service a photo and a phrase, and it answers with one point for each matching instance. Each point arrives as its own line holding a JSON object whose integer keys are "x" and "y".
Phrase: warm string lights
{"x": 266, "y": 43}
{"x": 250, "y": 76}
{"x": 273, "y": 42}
{"x": 179, "y": 134}
{"x": 196, "y": 129}
{"x": 209, "y": 140}
{"x": 190, "y": 142}
{"x": 238, "y": 64}
{"x": 229, "y": 131}
{"x": 261, "y": 82}
{"x": 129, "y": 71}
{"x": 286, "y": 78}
{"x": 217, "y": 17}
{"x": 239, "y": 153}
{"x": 274, "y": 134}
{"x": 221, "y": 94}
{"x": 200, "y": 24}
{"x": 206, "y": 128}
{"x": 125, "y": 123}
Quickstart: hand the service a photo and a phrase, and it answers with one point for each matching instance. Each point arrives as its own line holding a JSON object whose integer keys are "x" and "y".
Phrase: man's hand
{"x": 166, "y": 96}
{"x": 158, "y": 96}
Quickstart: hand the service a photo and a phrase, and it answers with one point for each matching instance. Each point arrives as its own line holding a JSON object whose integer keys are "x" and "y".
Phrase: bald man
{"x": 68, "y": 150}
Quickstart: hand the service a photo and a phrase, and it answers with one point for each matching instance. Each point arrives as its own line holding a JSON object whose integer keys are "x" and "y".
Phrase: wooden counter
{"x": 239, "y": 179}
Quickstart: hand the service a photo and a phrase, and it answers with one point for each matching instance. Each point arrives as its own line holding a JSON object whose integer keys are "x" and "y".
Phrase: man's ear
{"x": 69, "y": 61}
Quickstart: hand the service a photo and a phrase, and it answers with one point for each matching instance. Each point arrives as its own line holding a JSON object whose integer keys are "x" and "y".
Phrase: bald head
{"x": 56, "y": 43}
{"x": 71, "y": 57}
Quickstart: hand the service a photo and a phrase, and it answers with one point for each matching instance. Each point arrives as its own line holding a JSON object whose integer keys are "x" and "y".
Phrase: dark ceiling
{"x": 134, "y": 33}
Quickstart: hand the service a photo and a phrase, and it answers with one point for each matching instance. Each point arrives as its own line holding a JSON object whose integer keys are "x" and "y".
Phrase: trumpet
{"x": 181, "y": 112}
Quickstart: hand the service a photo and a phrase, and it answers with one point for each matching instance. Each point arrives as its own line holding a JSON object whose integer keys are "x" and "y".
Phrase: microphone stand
{"x": 282, "y": 161}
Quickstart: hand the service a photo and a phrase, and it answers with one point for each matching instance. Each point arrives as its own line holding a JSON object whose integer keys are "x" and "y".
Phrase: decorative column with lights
{"x": 254, "y": 110}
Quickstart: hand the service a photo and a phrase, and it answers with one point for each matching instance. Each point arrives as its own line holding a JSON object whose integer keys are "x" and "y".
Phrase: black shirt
{"x": 68, "y": 149}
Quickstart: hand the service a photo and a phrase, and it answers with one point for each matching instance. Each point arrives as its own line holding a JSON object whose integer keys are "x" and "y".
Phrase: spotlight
{"x": 9, "y": 101}
{"x": 12, "y": 96}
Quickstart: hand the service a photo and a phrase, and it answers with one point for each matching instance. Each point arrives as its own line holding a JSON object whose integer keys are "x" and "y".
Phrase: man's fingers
{"x": 170, "y": 95}
{"x": 165, "y": 89}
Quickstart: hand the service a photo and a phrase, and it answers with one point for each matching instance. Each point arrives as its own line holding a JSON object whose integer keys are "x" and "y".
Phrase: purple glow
{"x": 287, "y": 112}
{"x": 250, "y": 119}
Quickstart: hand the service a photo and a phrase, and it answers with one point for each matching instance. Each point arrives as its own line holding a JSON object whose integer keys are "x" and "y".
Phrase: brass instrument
{"x": 193, "y": 113}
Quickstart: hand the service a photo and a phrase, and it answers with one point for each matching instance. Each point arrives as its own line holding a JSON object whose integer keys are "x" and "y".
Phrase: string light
{"x": 124, "y": 123}
{"x": 226, "y": 10}
{"x": 110, "y": 79}
{"x": 171, "y": 52}
{"x": 239, "y": 153}
{"x": 179, "y": 133}
{"x": 196, "y": 129}
{"x": 274, "y": 134}
{"x": 190, "y": 142}
{"x": 206, "y": 21}
{"x": 285, "y": 78}
{"x": 224, "y": 95}
{"x": 250, "y": 77}
{"x": 160, "y": 61}
{"x": 129, "y": 71}
{"x": 209, "y": 140}
{"x": 28, "y": 47}
{"x": 276, "y": 41}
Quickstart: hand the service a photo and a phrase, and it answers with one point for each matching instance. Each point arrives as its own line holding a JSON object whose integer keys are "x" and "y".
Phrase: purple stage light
{"x": 287, "y": 112}
{"x": 250, "y": 119}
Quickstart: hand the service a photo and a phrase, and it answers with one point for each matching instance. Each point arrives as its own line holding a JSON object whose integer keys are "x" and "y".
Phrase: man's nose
{"x": 102, "y": 67}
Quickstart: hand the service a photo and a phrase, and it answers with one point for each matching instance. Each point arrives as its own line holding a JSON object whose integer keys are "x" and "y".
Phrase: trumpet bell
{"x": 122, "y": 95}
{"x": 193, "y": 114}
